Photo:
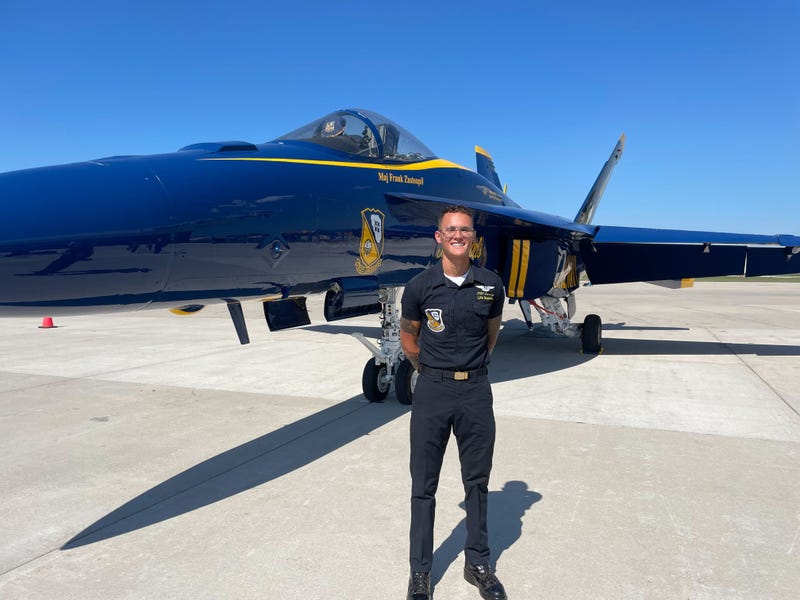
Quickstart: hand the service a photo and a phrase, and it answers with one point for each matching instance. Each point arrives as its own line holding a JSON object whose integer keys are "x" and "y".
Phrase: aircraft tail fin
{"x": 589, "y": 207}
{"x": 486, "y": 166}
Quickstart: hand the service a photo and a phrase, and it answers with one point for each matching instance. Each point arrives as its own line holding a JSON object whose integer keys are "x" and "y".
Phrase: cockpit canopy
{"x": 362, "y": 133}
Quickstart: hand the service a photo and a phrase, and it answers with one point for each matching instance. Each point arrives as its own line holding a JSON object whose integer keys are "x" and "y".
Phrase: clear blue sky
{"x": 708, "y": 93}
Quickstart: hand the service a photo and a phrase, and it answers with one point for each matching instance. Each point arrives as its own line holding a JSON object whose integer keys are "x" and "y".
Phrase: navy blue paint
{"x": 127, "y": 232}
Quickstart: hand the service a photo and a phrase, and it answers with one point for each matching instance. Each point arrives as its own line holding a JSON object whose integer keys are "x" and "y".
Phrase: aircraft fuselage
{"x": 212, "y": 222}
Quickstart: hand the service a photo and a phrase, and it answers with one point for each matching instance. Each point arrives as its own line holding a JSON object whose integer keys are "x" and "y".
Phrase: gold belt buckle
{"x": 461, "y": 375}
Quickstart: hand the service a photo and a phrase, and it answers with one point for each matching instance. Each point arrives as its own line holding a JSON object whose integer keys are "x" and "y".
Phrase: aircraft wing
{"x": 620, "y": 254}
{"x": 625, "y": 254}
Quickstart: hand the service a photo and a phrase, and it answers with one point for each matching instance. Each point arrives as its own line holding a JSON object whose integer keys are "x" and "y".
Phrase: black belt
{"x": 457, "y": 375}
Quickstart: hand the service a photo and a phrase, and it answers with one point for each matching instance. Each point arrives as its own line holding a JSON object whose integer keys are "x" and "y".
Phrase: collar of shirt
{"x": 437, "y": 277}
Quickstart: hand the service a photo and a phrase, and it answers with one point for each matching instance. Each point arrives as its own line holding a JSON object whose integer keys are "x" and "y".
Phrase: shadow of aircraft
{"x": 507, "y": 507}
{"x": 517, "y": 345}
{"x": 518, "y": 355}
{"x": 626, "y": 327}
{"x": 370, "y": 332}
{"x": 239, "y": 469}
{"x": 634, "y": 347}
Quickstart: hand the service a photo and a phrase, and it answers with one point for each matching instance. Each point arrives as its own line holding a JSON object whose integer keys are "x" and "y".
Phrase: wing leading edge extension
{"x": 513, "y": 221}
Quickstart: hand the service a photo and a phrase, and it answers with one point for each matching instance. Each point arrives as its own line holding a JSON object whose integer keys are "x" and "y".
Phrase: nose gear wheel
{"x": 388, "y": 364}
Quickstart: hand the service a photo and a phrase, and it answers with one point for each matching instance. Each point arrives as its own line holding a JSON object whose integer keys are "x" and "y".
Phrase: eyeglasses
{"x": 451, "y": 231}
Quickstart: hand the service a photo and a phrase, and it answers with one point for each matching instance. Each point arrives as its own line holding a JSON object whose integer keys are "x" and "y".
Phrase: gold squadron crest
{"x": 435, "y": 321}
{"x": 371, "y": 247}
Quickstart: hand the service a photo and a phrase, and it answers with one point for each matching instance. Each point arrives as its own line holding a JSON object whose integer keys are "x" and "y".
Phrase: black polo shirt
{"x": 453, "y": 332}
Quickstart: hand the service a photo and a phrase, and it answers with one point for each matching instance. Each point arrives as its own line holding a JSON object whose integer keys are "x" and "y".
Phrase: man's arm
{"x": 409, "y": 340}
{"x": 493, "y": 329}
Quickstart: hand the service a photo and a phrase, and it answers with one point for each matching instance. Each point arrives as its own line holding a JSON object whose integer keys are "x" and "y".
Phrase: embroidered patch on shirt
{"x": 435, "y": 322}
{"x": 484, "y": 293}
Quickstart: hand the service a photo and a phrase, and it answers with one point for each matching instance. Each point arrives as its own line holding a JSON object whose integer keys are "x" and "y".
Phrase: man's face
{"x": 455, "y": 245}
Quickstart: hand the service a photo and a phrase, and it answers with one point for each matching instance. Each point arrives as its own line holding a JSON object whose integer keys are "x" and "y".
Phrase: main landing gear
{"x": 592, "y": 335}
{"x": 556, "y": 320}
{"x": 388, "y": 364}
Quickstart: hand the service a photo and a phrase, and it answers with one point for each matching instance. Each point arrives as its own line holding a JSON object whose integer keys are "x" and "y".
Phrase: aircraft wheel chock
{"x": 592, "y": 335}
{"x": 405, "y": 381}
{"x": 374, "y": 381}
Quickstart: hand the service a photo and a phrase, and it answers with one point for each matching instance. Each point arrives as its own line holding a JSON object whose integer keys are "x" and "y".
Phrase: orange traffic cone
{"x": 47, "y": 323}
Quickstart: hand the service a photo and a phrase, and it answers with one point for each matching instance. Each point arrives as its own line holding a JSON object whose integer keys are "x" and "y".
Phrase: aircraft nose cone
{"x": 82, "y": 235}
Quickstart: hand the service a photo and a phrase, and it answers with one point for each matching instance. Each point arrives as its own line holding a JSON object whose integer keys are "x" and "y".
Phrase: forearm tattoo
{"x": 411, "y": 327}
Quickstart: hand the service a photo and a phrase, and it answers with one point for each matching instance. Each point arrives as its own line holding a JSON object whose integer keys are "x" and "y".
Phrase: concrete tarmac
{"x": 146, "y": 455}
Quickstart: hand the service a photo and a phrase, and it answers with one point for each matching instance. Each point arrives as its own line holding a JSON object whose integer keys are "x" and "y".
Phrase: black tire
{"x": 404, "y": 382}
{"x": 592, "y": 335}
{"x": 373, "y": 381}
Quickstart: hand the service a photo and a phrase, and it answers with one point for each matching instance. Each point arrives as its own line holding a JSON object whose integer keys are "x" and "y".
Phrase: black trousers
{"x": 465, "y": 407}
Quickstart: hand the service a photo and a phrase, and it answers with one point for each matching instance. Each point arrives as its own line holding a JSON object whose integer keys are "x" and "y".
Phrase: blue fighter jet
{"x": 345, "y": 205}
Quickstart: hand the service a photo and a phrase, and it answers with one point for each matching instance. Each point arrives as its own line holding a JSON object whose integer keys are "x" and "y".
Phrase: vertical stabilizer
{"x": 486, "y": 166}
{"x": 586, "y": 213}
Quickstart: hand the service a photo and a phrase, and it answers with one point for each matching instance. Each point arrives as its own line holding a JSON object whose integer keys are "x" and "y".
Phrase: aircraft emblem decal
{"x": 476, "y": 248}
{"x": 371, "y": 247}
{"x": 435, "y": 322}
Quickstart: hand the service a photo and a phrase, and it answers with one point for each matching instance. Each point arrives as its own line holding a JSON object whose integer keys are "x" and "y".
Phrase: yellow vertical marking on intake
{"x": 523, "y": 268}
{"x": 512, "y": 281}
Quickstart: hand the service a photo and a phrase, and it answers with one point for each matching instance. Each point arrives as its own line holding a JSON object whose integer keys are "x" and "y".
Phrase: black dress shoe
{"x": 419, "y": 587}
{"x": 483, "y": 577}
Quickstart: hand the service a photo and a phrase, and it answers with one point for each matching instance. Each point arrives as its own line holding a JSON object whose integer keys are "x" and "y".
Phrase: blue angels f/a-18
{"x": 344, "y": 205}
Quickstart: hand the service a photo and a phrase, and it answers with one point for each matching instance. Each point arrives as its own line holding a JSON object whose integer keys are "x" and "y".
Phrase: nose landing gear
{"x": 388, "y": 365}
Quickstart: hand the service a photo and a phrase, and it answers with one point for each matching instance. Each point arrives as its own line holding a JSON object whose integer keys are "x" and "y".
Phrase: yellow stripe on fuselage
{"x": 420, "y": 166}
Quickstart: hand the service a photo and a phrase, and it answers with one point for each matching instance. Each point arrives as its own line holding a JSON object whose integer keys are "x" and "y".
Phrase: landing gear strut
{"x": 556, "y": 320}
{"x": 388, "y": 364}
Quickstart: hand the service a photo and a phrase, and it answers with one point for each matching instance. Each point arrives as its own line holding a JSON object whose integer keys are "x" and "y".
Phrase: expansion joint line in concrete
{"x": 754, "y": 372}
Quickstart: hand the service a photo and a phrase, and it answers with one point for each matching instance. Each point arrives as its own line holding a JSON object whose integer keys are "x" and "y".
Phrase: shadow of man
{"x": 506, "y": 509}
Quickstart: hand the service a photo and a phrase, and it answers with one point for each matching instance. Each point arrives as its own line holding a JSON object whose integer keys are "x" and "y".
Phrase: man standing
{"x": 450, "y": 320}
